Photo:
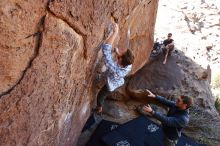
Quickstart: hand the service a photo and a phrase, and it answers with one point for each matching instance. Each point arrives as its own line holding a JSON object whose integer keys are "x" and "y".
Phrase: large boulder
{"x": 49, "y": 58}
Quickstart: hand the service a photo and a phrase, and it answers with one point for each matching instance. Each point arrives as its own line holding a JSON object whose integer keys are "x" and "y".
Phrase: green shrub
{"x": 217, "y": 104}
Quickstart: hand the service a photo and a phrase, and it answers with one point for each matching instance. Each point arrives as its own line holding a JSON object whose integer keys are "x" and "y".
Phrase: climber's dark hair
{"x": 127, "y": 58}
{"x": 187, "y": 100}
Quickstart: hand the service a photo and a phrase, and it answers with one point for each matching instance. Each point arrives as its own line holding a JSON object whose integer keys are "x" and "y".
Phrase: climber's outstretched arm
{"x": 112, "y": 36}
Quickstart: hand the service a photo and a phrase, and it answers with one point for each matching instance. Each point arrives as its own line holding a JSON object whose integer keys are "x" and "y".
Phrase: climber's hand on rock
{"x": 147, "y": 108}
{"x": 115, "y": 28}
{"x": 150, "y": 94}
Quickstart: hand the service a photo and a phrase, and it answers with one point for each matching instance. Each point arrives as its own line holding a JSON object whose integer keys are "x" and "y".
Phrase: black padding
{"x": 140, "y": 132}
{"x": 103, "y": 128}
{"x": 117, "y": 139}
{"x": 89, "y": 123}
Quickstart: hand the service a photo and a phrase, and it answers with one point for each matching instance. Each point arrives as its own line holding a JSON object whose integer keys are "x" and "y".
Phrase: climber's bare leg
{"x": 166, "y": 55}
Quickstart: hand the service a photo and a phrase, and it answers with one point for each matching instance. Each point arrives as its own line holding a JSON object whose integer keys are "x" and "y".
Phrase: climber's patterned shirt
{"x": 115, "y": 73}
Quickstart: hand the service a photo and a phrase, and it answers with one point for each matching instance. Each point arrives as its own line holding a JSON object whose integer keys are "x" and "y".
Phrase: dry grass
{"x": 217, "y": 82}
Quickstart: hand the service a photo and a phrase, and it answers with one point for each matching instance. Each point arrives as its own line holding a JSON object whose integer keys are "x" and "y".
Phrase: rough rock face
{"x": 19, "y": 27}
{"x": 48, "y": 60}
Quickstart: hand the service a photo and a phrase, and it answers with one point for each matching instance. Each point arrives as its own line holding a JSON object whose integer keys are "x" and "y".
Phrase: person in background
{"x": 168, "y": 46}
{"x": 116, "y": 70}
{"x": 176, "y": 119}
